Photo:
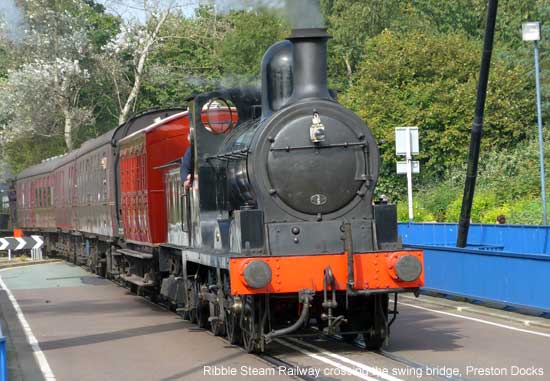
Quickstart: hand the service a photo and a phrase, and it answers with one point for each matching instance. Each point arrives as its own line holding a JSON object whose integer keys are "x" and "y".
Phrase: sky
{"x": 133, "y": 9}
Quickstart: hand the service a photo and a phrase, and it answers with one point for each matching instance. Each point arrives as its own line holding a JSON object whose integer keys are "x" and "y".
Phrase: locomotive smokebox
{"x": 309, "y": 61}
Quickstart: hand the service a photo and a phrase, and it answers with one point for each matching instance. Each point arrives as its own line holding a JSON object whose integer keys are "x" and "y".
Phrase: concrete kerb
{"x": 466, "y": 307}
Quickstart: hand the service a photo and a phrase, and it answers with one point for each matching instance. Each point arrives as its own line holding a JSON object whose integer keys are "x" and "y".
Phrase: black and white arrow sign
{"x": 23, "y": 243}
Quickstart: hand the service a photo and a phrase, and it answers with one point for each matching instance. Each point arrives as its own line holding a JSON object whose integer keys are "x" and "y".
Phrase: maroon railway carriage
{"x": 74, "y": 199}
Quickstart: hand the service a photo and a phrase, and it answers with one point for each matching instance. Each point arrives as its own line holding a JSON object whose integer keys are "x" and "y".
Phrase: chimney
{"x": 309, "y": 63}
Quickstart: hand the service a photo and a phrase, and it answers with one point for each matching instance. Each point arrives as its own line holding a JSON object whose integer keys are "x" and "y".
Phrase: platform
{"x": 88, "y": 328}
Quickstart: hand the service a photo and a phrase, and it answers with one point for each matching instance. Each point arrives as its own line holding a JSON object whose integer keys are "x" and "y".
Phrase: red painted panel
{"x": 164, "y": 144}
{"x": 142, "y": 186}
{"x": 373, "y": 271}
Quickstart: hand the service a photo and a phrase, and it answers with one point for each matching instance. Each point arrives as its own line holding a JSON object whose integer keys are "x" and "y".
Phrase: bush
{"x": 420, "y": 213}
{"x": 525, "y": 212}
{"x": 438, "y": 198}
{"x": 482, "y": 202}
{"x": 429, "y": 80}
{"x": 490, "y": 216}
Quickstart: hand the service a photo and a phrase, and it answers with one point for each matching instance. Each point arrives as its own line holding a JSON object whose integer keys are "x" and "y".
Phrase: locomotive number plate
{"x": 318, "y": 199}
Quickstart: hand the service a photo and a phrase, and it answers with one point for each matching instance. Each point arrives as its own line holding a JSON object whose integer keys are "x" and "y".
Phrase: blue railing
{"x": 507, "y": 265}
{"x": 3, "y": 357}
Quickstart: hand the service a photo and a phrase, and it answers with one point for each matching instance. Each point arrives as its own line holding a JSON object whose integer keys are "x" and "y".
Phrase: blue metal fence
{"x": 3, "y": 357}
{"x": 508, "y": 265}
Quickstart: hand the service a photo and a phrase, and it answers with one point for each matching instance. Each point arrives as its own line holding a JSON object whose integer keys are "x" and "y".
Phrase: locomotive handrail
{"x": 335, "y": 145}
{"x": 239, "y": 154}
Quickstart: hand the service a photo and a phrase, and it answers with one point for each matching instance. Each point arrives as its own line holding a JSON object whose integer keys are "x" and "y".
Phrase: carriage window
{"x": 219, "y": 116}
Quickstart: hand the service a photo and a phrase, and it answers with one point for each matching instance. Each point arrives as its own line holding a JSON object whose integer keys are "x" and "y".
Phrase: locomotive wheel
{"x": 190, "y": 312}
{"x": 369, "y": 315}
{"x": 202, "y": 309}
{"x": 190, "y": 315}
{"x": 216, "y": 326}
{"x": 202, "y": 316}
{"x": 249, "y": 325}
{"x": 374, "y": 341}
{"x": 232, "y": 327}
{"x": 377, "y": 333}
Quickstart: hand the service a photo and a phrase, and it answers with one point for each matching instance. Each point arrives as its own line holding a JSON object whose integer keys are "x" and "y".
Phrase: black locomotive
{"x": 280, "y": 225}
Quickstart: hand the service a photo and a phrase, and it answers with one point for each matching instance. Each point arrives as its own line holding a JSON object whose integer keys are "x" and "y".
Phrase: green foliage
{"x": 252, "y": 32}
{"x": 28, "y": 151}
{"x": 528, "y": 211}
{"x": 102, "y": 26}
{"x": 183, "y": 64}
{"x": 420, "y": 213}
{"x": 352, "y": 23}
{"x": 508, "y": 183}
{"x": 482, "y": 203}
{"x": 413, "y": 78}
{"x": 438, "y": 198}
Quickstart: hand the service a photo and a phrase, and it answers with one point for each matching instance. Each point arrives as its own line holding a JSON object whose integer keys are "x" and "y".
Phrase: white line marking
{"x": 479, "y": 320}
{"x": 38, "y": 354}
{"x": 471, "y": 310}
{"x": 335, "y": 364}
{"x": 366, "y": 368}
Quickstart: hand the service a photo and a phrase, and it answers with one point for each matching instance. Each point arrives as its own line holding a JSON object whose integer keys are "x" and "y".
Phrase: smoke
{"x": 11, "y": 20}
{"x": 227, "y": 81}
{"x": 299, "y": 13}
{"x": 304, "y": 14}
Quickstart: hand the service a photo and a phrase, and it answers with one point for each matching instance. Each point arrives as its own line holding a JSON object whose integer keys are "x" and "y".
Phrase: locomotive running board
{"x": 137, "y": 280}
{"x": 135, "y": 254}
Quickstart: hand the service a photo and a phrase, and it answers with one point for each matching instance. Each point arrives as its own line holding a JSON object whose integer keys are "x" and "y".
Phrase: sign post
{"x": 531, "y": 31}
{"x": 406, "y": 144}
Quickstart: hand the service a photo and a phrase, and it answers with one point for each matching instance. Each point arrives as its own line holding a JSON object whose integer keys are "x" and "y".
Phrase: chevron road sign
{"x": 21, "y": 243}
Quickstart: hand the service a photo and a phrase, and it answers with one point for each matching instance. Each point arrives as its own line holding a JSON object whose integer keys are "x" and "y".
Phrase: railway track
{"x": 299, "y": 343}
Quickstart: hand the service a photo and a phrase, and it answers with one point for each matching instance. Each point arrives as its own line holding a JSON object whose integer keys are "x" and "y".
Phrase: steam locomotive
{"x": 277, "y": 231}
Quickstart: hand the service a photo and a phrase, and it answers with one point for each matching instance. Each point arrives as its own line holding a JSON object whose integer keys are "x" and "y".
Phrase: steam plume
{"x": 11, "y": 20}
{"x": 300, "y": 13}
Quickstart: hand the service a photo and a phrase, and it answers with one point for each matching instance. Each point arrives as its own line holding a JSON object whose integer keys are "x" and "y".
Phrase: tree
{"x": 131, "y": 48}
{"x": 429, "y": 80}
{"x": 352, "y": 23}
{"x": 469, "y": 16}
{"x": 42, "y": 96}
{"x": 251, "y": 34}
{"x": 186, "y": 61}
{"x": 35, "y": 94}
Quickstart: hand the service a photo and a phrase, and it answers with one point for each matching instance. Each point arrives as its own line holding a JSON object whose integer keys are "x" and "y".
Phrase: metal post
{"x": 409, "y": 175}
{"x": 9, "y": 255}
{"x": 477, "y": 126}
{"x": 541, "y": 143}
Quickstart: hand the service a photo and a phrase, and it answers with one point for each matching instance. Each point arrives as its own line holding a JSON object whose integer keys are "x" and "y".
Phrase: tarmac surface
{"x": 88, "y": 328}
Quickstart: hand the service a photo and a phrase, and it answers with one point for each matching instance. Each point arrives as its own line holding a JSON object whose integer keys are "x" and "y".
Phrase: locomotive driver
{"x": 188, "y": 163}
